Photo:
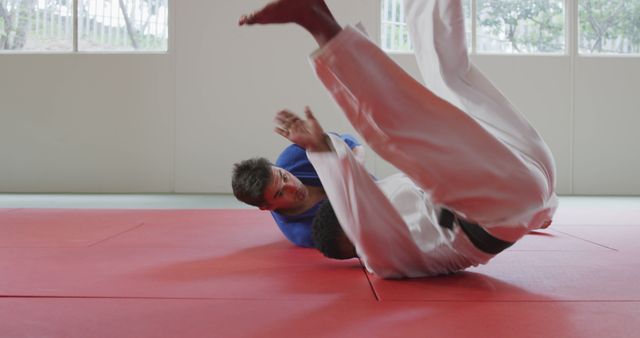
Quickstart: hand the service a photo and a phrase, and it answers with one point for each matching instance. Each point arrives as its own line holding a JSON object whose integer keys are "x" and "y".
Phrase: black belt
{"x": 482, "y": 240}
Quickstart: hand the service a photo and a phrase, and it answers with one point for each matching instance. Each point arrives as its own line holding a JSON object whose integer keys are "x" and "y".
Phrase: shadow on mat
{"x": 463, "y": 304}
{"x": 275, "y": 260}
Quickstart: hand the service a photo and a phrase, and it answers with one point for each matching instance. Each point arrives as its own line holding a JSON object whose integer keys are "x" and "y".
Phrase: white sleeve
{"x": 368, "y": 218}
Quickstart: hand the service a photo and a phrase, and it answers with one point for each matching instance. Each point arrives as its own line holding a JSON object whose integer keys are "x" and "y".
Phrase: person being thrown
{"x": 289, "y": 189}
{"x": 475, "y": 175}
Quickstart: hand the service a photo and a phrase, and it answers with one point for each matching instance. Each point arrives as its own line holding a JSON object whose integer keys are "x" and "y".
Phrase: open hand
{"x": 306, "y": 133}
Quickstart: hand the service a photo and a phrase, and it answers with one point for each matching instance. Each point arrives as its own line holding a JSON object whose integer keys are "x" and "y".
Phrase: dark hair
{"x": 250, "y": 179}
{"x": 327, "y": 232}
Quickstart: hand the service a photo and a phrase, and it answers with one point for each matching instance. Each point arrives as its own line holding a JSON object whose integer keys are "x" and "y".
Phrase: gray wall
{"x": 177, "y": 122}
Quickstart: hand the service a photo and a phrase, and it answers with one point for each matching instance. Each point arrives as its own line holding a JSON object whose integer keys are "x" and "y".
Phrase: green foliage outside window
{"x": 609, "y": 26}
{"x": 520, "y": 26}
{"x": 534, "y": 26}
{"x": 103, "y": 25}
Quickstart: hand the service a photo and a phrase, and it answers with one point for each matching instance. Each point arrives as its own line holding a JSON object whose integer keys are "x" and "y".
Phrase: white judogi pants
{"x": 458, "y": 138}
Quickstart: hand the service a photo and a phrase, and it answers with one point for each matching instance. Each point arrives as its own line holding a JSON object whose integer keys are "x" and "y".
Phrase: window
{"x": 36, "y": 25}
{"x": 395, "y": 35}
{"x": 609, "y": 26}
{"x": 123, "y": 25}
{"x": 102, "y": 25}
{"x": 502, "y": 26}
{"x": 520, "y": 26}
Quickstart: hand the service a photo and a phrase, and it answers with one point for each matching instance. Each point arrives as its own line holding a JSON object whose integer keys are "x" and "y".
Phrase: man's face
{"x": 284, "y": 191}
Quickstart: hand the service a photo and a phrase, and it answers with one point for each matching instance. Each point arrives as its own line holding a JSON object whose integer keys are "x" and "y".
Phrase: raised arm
{"x": 307, "y": 133}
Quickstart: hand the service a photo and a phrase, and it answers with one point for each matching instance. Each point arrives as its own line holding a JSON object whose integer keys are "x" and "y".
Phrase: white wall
{"x": 177, "y": 122}
{"x": 86, "y": 123}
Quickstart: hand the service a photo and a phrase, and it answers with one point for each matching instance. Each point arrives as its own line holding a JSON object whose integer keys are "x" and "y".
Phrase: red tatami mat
{"x": 203, "y": 254}
{"x": 61, "y": 228}
{"x": 230, "y": 273}
{"x": 623, "y": 238}
{"x": 529, "y": 276}
{"x": 152, "y": 318}
{"x": 553, "y": 240}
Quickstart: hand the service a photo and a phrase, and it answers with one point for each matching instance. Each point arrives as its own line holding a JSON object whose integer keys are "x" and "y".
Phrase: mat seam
{"x": 366, "y": 275}
{"x": 586, "y": 240}
{"x": 115, "y": 235}
{"x": 305, "y": 300}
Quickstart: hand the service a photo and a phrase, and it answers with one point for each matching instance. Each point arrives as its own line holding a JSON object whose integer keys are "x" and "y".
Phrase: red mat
{"x": 229, "y": 273}
{"x": 172, "y": 254}
{"x": 623, "y": 238}
{"x": 153, "y": 318}
{"x": 61, "y": 228}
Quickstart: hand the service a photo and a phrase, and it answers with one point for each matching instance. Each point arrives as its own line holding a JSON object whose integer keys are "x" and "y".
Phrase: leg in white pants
{"x": 478, "y": 157}
{"x": 438, "y": 34}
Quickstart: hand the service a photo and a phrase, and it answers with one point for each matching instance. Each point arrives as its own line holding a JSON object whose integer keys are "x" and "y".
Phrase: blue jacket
{"x": 297, "y": 228}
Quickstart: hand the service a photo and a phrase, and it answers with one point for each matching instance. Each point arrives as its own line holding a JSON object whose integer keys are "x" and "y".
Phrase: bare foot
{"x": 313, "y": 15}
{"x": 285, "y": 11}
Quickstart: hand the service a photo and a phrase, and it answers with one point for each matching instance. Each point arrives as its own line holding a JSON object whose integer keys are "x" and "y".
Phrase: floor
{"x": 206, "y": 266}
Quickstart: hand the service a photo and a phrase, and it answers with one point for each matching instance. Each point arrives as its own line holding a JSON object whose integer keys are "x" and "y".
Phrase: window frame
{"x": 75, "y": 50}
{"x": 571, "y": 31}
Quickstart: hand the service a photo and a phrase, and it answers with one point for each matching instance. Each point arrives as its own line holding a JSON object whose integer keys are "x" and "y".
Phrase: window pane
{"x": 123, "y": 25}
{"x": 521, "y": 26}
{"x": 610, "y": 26}
{"x": 36, "y": 25}
{"x": 466, "y": 5}
{"x": 395, "y": 35}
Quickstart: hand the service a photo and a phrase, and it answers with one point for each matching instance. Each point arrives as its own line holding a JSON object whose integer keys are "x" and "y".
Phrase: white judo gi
{"x": 458, "y": 141}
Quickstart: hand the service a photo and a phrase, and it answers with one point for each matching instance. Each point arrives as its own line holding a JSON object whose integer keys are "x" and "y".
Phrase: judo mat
{"x": 230, "y": 273}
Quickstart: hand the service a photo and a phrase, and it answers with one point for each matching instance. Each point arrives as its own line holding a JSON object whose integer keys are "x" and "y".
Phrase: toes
{"x": 247, "y": 19}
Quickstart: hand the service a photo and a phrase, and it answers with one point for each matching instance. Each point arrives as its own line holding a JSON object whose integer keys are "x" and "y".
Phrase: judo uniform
{"x": 459, "y": 143}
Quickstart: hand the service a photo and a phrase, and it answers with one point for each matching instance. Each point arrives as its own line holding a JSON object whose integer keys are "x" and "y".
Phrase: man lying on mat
{"x": 290, "y": 189}
{"x": 476, "y": 176}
